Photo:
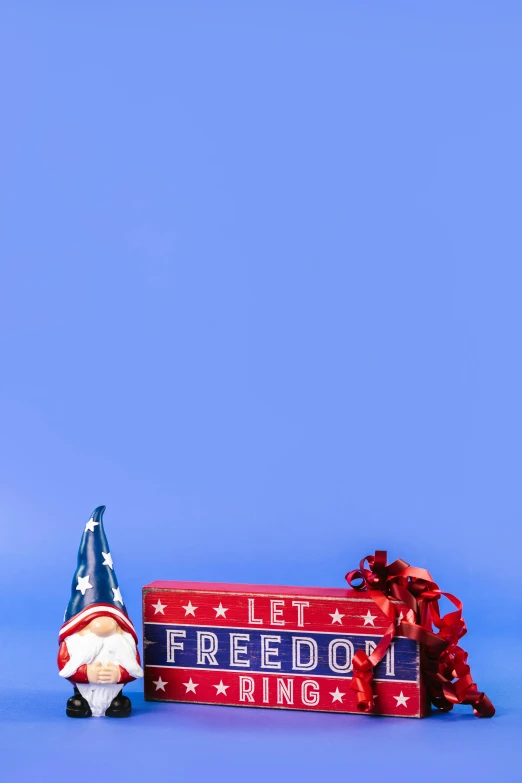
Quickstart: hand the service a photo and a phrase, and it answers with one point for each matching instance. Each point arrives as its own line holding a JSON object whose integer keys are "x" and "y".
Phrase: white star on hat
{"x": 91, "y": 524}
{"x": 83, "y": 584}
{"x": 117, "y": 595}
{"x": 107, "y": 560}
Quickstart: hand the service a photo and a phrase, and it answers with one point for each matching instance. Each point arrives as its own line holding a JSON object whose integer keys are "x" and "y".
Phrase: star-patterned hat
{"x": 94, "y": 590}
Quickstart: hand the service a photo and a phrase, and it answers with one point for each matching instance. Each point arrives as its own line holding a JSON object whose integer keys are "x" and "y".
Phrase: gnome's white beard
{"x": 118, "y": 648}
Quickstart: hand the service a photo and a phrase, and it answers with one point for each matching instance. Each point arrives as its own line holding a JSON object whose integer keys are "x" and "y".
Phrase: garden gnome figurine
{"x": 98, "y": 644}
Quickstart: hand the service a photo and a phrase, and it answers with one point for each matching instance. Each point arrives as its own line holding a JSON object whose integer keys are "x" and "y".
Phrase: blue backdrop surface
{"x": 261, "y": 297}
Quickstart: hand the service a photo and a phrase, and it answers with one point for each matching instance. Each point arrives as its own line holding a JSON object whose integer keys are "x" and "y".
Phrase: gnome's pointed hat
{"x": 94, "y": 590}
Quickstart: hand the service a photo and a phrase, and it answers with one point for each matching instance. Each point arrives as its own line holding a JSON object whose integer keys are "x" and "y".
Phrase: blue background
{"x": 261, "y": 297}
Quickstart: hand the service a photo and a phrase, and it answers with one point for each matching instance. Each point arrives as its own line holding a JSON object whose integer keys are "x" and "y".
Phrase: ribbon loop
{"x": 443, "y": 662}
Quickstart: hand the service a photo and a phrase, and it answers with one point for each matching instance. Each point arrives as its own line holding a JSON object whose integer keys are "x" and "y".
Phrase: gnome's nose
{"x": 103, "y": 626}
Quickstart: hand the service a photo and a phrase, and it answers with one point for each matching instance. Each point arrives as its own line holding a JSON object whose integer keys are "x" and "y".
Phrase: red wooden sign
{"x": 266, "y": 646}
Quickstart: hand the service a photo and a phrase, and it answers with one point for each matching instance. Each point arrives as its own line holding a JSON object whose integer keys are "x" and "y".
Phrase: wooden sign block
{"x": 266, "y": 646}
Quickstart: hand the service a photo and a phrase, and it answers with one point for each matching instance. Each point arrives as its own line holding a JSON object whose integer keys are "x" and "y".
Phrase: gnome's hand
{"x": 93, "y": 672}
{"x": 110, "y": 673}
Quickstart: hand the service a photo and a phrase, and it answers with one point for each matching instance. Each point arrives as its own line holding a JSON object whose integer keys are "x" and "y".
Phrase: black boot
{"x": 120, "y": 707}
{"x": 77, "y": 706}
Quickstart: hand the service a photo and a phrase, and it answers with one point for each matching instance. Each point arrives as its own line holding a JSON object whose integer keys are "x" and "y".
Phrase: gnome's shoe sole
{"x": 120, "y": 707}
{"x": 78, "y": 707}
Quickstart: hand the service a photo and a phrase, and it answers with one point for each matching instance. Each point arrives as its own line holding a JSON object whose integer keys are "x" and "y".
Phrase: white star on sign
{"x": 117, "y": 595}
{"x": 221, "y": 688}
{"x": 91, "y": 524}
{"x": 190, "y": 686}
{"x": 336, "y": 617}
{"x": 159, "y": 607}
{"x": 189, "y": 609}
{"x": 401, "y": 700}
{"x": 220, "y": 610}
{"x": 83, "y": 584}
{"x": 337, "y": 695}
{"x": 368, "y": 618}
{"x": 107, "y": 560}
{"x": 160, "y": 684}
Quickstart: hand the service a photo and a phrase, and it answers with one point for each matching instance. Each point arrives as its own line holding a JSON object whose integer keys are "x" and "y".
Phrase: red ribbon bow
{"x": 443, "y": 662}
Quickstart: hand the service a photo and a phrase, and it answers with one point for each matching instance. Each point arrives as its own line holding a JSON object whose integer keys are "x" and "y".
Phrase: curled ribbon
{"x": 444, "y": 664}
